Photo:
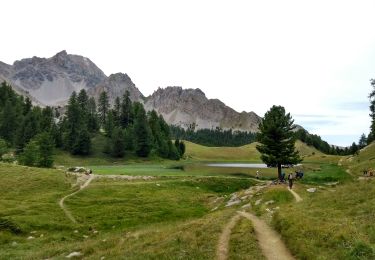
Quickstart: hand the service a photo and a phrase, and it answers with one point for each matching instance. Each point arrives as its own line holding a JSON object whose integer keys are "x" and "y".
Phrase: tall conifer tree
{"x": 277, "y": 140}
{"x": 103, "y": 108}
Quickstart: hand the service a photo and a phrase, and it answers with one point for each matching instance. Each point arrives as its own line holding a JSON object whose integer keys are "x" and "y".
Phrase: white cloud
{"x": 305, "y": 55}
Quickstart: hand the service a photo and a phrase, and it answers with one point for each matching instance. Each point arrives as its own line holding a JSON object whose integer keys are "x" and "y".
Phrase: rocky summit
{"x": 115, "y": 86}
{"x": 51, "y": 81}
{"x": 191, "y": 108}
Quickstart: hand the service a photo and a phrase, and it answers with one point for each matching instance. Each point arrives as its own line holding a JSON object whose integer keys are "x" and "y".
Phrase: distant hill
{"x": 51, "y": 81}
{"x": 248, "y": 153}
{"x": 364, "y": 160}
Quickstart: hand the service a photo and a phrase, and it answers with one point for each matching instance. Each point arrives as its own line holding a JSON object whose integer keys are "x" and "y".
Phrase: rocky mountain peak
{"x": 62, "y": 53}
{"x": 120, "y": 77}
{"x": 186, "y": 107}
{"x": 51, "y": 81}
{"x": 116, "y": 85}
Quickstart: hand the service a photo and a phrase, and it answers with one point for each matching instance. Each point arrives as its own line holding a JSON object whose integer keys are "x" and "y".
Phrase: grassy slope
{"x": 135, "y": 220}
{"x": 194, "y": 152}
{"x": 194, "y": 165}
{"x": 205, "y": 153}
{"x": 249, "y": 153}
{"x": 364, "y": 160}
{"x": 335, "y": 222}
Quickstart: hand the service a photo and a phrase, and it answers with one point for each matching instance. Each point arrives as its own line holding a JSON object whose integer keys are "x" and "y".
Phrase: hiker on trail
{"x": 282, "y": 176}
{"x": 299, "y": 175}
{"x": 257, "y": 175}
{"x": 290, "y": 179}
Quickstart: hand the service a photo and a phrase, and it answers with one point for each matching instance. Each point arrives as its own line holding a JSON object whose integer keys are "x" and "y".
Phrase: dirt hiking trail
{"x": 223, "y": 245}
{"x": 296, "y": 196}
{"x": 61, "y": 202}
{"x": 269, "y": 241}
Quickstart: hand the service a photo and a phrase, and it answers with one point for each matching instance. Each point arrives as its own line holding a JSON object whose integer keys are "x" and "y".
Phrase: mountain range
{"x": 51, "y": 81}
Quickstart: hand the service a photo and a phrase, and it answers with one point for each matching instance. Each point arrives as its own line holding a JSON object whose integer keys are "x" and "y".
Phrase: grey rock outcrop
{"x": 51, "y": 81}
{"x": 115, "y": 86}
{"x": 188, "y": 107}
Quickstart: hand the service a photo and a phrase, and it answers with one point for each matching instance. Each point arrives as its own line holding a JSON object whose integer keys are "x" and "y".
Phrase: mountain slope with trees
{"x": 51, "y": 81}
{"x": 33, "y": 132}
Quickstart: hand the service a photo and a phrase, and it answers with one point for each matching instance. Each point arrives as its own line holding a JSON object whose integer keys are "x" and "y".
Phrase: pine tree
{"x": 72, "y": 124}
{"x": 56, "y": 134}
{"x": 277, "y": 140}
{"x": 129, "y": 138}
{"x": 180, "y": 146}
{"x": 29, "y": 127}
{"x": 8, "y": 122}
{"x": 177, "y": 143}
{"x": 46, "y": 146}
{"x": 353, "y": 148}
{"x": 3, "y": 147}
{"x": 82, "y": 146}
{"x": 92, "y": 121}
{"x": 126, "y": 116}
{"x": 143, "y": 138}
{"x": 27, "y": 106}
{"x": 30, "y": 155}
{"x": 83, "y": 104}
{"x": 117, "y": 112}
{"x": 103, "y": 108}
{"x": 371, "y": 136}
{"x": 47, "y": 119}
{"x": 362, "y": 141}
{"x": 160, "y": 141}
{"x": 109, "y": 124}
{"x": 173, "y": 152}
{"x": 117, "y": 143}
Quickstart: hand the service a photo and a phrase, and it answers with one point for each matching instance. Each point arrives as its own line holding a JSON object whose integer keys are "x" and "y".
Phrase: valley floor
{"x": 187, "y": 211}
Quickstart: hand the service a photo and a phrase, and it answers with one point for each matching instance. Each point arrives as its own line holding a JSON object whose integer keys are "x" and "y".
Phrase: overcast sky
{"x": 313, "y": 57}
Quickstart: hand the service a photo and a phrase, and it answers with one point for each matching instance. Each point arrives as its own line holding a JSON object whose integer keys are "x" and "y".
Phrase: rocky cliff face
{"x": 51, "y": 81}
{"x": 115, "y": 86}
{"x": 186, "y": 107}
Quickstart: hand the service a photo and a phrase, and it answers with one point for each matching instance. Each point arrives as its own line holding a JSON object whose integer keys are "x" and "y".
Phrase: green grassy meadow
{"x": 181, "y": 212}
{"x": 162, "y": 217}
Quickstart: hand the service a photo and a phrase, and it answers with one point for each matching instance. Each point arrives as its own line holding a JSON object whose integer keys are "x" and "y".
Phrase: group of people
{"x": 291, "y": 177}
{"x": 368, "y": 172}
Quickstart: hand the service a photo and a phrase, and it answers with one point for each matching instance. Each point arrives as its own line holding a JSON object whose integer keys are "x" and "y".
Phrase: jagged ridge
{"x": 50, "y": 81}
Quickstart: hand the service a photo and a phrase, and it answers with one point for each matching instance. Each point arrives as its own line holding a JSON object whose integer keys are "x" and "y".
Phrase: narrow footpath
{"x": 296, "y": 196}
{"x": 61, "y": 202}
{"x": 269, "y": 241}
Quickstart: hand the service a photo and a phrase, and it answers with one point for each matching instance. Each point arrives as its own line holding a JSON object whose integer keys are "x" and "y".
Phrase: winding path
{"x": 296, "y": 196}
{"x": 223, "y": 245}
{"x": 269, "y": 241}
{"x": 61, "y": 202}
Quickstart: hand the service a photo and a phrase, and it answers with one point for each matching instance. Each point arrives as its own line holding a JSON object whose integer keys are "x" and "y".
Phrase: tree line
{"x": 321, "y": 145}
{"x": 29, "y": 130}
{"x": 213, "y": 137}
{"x": 33, "y": 132}
{"x": 371, "y": 136}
